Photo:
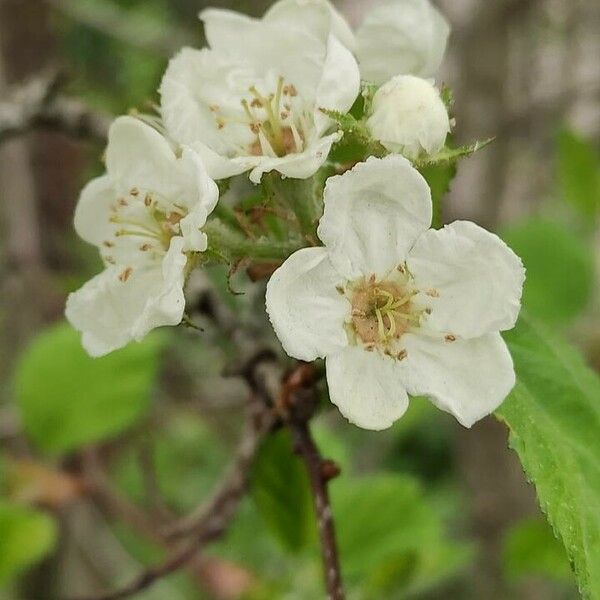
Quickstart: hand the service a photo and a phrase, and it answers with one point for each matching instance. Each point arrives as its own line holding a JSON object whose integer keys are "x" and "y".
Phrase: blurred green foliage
{"x": 560, "y": 268}
{"x": 281, "y": 492}
{"x": 68, "y": 399}
{"x": 578, "y": 166}
{"x": 26, "y": 536}
{"x": 530, "y": 548}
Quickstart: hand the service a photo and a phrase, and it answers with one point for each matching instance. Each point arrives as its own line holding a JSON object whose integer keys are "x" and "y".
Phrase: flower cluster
{"x": 396, "y": 308}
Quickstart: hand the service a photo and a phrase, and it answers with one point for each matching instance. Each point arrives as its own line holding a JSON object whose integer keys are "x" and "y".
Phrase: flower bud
{"x": 409, "y": 117}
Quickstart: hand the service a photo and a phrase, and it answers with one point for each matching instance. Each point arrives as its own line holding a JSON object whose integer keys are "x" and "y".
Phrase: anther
{"x": 134, "y": 192}
{"x": 402, "y": 355}
{"x": 126, "y": 274}
{"x": 450, "y": 338}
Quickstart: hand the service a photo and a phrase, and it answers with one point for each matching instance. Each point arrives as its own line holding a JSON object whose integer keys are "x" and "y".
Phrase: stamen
{"x": 125, "y": 232}
{"x": 126, "y": 274}
{"x": 380, "y": 325}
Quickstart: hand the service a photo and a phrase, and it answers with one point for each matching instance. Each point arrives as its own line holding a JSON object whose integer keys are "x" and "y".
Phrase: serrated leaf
{"x": 451, "y": 155}
{"x": 26, "y": 536}
{"x": 579, "y": 173}
{"x": 554, "y": 419}
{"x": 549, "y": 251}
{"x": 281, "y": 491}
{"x": 345, "y": 120}
{"x": 68, "y": 399}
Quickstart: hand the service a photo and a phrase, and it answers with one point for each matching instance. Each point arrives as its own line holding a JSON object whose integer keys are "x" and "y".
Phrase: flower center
{"x": 382, "y": 311}
{"x": 274, "y": 119}
{"x": 142, "y": 224}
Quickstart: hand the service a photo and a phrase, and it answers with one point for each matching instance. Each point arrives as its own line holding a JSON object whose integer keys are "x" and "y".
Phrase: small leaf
{"x": 345, "y": 120}
{"x": 68, "y": 399}
{"x": 579, "y": 173}
{"x": 554, "y": 418}
{"x": 530, "y": 548}
{"x": 280, "y": 489}
{"x": 451, "y": 155}
{"x": 26, "y": 536}
{"x": 560, "y": 269}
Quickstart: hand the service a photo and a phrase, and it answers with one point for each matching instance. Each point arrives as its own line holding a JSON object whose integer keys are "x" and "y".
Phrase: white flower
{"x": 397, "y": 308}
{"x": 253, "y": 100}
{"x": 398, "y": 37}
{"x": 145, "y": 216}
{"x": 401, "y": 37}
{"x": 409, "y": 117}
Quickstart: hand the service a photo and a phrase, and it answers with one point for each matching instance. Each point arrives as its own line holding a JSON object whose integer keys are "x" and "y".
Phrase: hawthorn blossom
{"x": 409, "y": 117}
{"x": 397, "y": 308}
{"x": 145, "y": 216}
{"x": 252, "y": 101}
{"x": 396, "y": 37}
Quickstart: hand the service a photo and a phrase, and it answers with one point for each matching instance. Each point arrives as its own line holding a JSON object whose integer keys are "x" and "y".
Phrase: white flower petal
{"x": 222, "y": 167}
{"x": 340, "y": 83}
{"x": 195, "y": 81}
{"x": 401, "y": 37}
{"x": 110, "y": 311}
{"x": 479, "y": 280}
{"x": 139, "y": 156}
{"x": 467, "y": 378}
{"x": 305, "y": 308}
{"x": 373, "y": 215}
{"x": 319, "y": 17}
{"x": 166, "y": 305}
{"x": 200, "y": 198}
{"x": 297, "y": 166}
{"x": 266, "y": 46}
{"x": 367, "y": 387}
{"x": 93, "y": 209}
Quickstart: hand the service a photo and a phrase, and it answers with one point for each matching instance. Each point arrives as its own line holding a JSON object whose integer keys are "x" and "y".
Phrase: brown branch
{"x": 37, "y": 104}
{"x": 297, "y": 404}
{"x": 209, "y": 522}
{"x": 234, "y": 483}
{"x": 320, "y": 472}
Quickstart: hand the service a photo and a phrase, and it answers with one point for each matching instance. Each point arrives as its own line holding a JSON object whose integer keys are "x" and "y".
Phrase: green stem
{"x": 302, "y": 196}
{"x": 228, "y": 242}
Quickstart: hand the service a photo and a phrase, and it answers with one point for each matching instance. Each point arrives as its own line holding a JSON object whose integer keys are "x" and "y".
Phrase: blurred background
{"x": 93, "y": 457}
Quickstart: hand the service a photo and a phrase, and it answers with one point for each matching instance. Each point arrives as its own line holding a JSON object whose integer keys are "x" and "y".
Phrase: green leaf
{"x": 530, "y": 548}
{"x": 560, "y": 269}
{"x": 554, "y": 419}
{"x": 439, "y": 177}
{"x": 68, "y": 399}
{"x": 281, "y": 491}
{"x": 26, "y": 536}
{"x": 390, "y": 536}
{"x": 452, "y": 155}
{"x": 579, "y": 173}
